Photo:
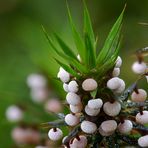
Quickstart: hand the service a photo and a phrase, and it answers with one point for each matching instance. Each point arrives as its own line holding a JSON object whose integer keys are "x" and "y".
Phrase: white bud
{"x": 143, "y": 141}
{"x": 125, "y": 127}
{"x": 114, "y": 83}
{"x": 36, "y": 81}
{"x": 55, "y": 134}
{"x": 76, "y": 108}
{"x": 73, "y": 99}
{"x": 121, "y": 88}
{"x": 140, "y": 96}
{"x": 91, "y": 112}
{"x": 142, "y": 119}
{"x": 116, "y": 72}
{"x": 71, "y": 119}
{"x": 81, "y": 143}
{"x": 118, "y": 62}
{"x": 73, "y": 86}
{"x": 108, "y": 126}
{"x": 89, "y": 84}
{"x": 63, "y": 75}
{"x": 14, "y": 113}
{"x": 139, "y": 68}
{"x": 65, "y": 87}
{"x": 95, "y": 103}
{"x": 103, "y": 133}
{"x": 112, "y": 109}
{"x": 88, "y": 127}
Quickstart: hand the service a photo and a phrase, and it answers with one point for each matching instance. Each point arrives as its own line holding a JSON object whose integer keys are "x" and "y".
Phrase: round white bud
{"x": 36, "y": 81}
{"x": 143, "y": 141}
{"x": 114, "y": 83}
{"x": 65, "y": 87}
{"x": 73, "y": 86}
{"x": 118, "y": 62}
{"x": 55, "y": 134}
{"x": 125, "y": 127}
{"x": 76, "y": 108}
{"x": 121, "y": 88}
{"x": 63, "y": 75}
{"x": 108, "y": 126}
{"x": 116, "y": 72}
{"x": 73, "y": 99}
{"x": 88, "y": 127}
{"x": 142, "y": 119}
{"x": 112, "y": 109}
{"x": 91, "y": 112}
{"x": 81, "y": 143}
{"x": 140, "y": 96}
{"x": 103, "y": 133}
{"x": 95, "y": 103}
{"x": 71, "y": 119}
{"x": 139, "y": 68}
{"x": 89, "y": 84}
{"x": 14, "y": 113}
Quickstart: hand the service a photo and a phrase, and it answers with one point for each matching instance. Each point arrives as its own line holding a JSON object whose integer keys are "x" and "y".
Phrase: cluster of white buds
{"x": 38, "y": 86}
{"x": 14, "y": 113}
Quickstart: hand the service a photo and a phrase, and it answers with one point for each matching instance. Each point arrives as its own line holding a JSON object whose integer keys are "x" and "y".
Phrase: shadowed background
{"x": 24, "y": 49}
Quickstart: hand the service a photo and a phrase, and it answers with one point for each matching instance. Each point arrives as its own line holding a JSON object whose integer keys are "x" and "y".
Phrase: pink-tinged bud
{"x": 91, "y": 112}
{"x": 55, "y": 135}
{"x": 72, "y": 120}
{"x": 143, "y": 141}
{"x": 142, "y": 119}
{"x": 73, "y": 99}
{"x": 73, "y": 86}
{"x": 76, "y": 108}
{"x": 139, "y": 68}
{"x": 95, "y": 103}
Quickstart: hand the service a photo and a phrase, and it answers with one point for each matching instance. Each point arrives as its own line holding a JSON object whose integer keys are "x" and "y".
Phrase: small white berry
{"x": 91, "y": 112}
{"x": 108, "y": 126}
{"x": 73, "y": 99}
{"x": 71, "y": 119}
{"x": 116, "y": 72}
{"x": 14, "y": 113}
{"x": 142, "y": 119}
{"x": 65, "y": 87}
{"x": 76, "y": 108}
{"x": 118, "y": 62}
{"x": 112, "y": 109}
{"x": 121, "y": 88}
{"x": 103, "y": 133}
{"x": 125, "y": 127}
{"x": 89, "y": 84}
{"x": 55, "y": 134}
{"x": 140, "y": 96}
{"x": 114, "y": 83}
{"x": 95, "y": 103}
{"x": 143, "y": 141}
{"x": 88, "y": 127}
{"x": 73, "y": 86}
{"x": 139, "y": 68}
{"x": 63, "y": 75}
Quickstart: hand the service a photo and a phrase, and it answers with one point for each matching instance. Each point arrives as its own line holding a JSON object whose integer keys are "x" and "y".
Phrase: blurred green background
{"x": 24, "y": 49}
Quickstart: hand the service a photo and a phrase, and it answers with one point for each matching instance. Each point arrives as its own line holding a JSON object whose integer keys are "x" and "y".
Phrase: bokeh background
{"x": 24, "y": 49}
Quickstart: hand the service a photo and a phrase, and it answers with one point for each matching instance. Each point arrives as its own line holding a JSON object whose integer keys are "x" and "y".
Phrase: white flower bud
{"x": 125, "y": 127}
{"x": 73, "y": 86}
{"x": 71, "y": 119}
{"x": 65, "y": 87}
{"x": 88, "y": 127}
{"x": 112, "y": 109}
{"x": 139, "y": 68}
{"x": 143, "y": 141}
{"x": 114, "y": 83}
{"x": 109, "y": 126}
{"x": 36, "y": 81}
{"x": 118, "y": 62}
{"x": 73, "y": 99}
{"x": 91, "y": 112}
{"x": 63, "y": 75}
{"x": 116, "y": 72}
{"x": 103, "y": 133}
{"x": 81, "y": 143}
{"x": 95, "y": 103}
{"x": 142, "y": 119}
{"x": 76, "y": 108}
{"x": 121, "y": 88}
{"x": 89, "y": 84}
{"x": 55, "y": 134}
{"x": 14, "y": 113}
{"x": 140, "y": 96}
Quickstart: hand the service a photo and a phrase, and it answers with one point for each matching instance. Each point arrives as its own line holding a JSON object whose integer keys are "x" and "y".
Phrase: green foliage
{"x": 86, "y": 47}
